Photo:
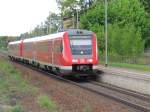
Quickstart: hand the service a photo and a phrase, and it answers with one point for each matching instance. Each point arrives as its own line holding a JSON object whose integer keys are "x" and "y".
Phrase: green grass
{"x": 145, "y": 68}
{"x": 46, "y": 103}
{"x": 11, "y": 83}
{"x": 10, "y": 78}
{"x": 17, "y": 108}
{"x": 88, "y": 108}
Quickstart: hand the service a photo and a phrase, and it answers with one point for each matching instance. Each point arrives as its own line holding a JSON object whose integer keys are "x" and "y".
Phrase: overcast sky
{"x": 19, "y": 16}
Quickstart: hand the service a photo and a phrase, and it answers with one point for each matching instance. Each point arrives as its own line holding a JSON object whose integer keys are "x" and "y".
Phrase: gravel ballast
{"x": 70, "y": 98}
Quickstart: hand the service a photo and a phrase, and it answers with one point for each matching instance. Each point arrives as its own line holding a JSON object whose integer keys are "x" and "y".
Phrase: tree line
{"x": 128, "y": 26}
{"x": 54, "y": 21}
{"x": 50, "y": 25}
{"x": 128, "y": 23}
{"x": 4, "y": 40}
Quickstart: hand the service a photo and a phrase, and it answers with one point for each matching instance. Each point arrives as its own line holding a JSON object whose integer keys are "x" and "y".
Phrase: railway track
{"x": 130, "y": 98}
{"x": 124, "y": 73}
{"x": 4, "y": 54}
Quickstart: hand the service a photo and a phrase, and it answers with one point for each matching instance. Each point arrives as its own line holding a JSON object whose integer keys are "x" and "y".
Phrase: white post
{"x": 48, "y": 29}
{"x": 73, "y": 20}
{"x": 50, "y": 23}
{"x": 77, "y": 20}
{"x": 106, "y": 33}
{"x": 50, "y": 26}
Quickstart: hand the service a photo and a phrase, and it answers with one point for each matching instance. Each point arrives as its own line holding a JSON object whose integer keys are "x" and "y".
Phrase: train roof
{"x": 46, "y": 37}
{"x": 77, "y": 32}
{"x": 59, "y": 34}
{"x": 56, "y": 35}
{"x": 15, "y": 42}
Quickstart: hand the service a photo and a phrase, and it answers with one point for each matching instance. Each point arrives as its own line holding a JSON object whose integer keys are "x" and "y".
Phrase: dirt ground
{"x": 68, "y": 98}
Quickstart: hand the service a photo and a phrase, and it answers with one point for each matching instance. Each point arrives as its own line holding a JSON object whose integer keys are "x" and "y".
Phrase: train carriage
{"x": 15, "y": 49}
{"x": 65, "y": 52}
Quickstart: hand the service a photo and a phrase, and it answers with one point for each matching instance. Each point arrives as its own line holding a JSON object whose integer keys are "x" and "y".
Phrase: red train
{"x": 65, "y": 52}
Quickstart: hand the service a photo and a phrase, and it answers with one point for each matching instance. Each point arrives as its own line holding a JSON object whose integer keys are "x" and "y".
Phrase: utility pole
{"x": 106, "y": 33}
{"x": 73, "y": 20}
{"x": 49, "y": 24}
{"x": 77, "y": 19}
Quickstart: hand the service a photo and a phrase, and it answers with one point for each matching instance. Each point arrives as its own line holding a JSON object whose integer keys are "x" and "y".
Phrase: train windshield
{"x": 81, "y": 46}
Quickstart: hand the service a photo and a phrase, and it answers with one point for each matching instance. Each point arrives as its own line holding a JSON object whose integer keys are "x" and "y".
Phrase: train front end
{"x": 82, "y": 50}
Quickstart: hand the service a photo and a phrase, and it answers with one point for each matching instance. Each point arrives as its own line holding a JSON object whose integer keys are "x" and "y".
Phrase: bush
{"x": 46, "y": 103}
{"x": 17, "y": 108}
{"x": 127, "y": 20}
{"x": 125, "y": 41}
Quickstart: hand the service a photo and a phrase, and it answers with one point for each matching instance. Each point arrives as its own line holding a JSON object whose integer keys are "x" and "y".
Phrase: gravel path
{"x": 69, "y": 98}
{"x": 124, "y": 70}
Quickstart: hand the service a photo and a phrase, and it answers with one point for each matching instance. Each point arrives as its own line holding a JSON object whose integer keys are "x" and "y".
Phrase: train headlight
{"x": 90, "y": 60}
{"x": 74, "y": 60}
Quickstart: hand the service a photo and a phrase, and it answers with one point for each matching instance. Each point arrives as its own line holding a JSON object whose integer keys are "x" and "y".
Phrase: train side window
{"x": 61, "y": 47}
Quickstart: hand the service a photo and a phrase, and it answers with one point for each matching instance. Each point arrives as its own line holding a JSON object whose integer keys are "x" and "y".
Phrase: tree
{"x": 5, "y": 39}
{"x": 50, "y": 25}
{"x": 146, "y": 4}
{"x": 125, "y": 41}
{"x": 68, "y": 7}
{"x": 52, "y": 22}
{"x": 121, "y": 14}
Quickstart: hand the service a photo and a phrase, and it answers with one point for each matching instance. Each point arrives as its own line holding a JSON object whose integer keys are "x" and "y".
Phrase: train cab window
{"x": 61, "y": 47}
{"x": 81, "y": 46}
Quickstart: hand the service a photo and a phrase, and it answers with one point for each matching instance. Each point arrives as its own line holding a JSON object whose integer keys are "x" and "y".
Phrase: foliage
{"x": 146, "y": 4}
{"x": 50, "y": 25}
{"x": 127, "y": 21}
{"x": 11, "y": 83}
{"x": 99, "y": 30}
{"x": 147, "y": 32}
{"x": 4, "y": 41}
{"x": 88, "y": 108}
{"x": 120, "y": 11}
{"x": 46, "y": 103}
{"x": 125, "y": 40}
{"x": 68, "y": 7}
{"x": 12, "y": 78}
{"x": 17, "y": 108}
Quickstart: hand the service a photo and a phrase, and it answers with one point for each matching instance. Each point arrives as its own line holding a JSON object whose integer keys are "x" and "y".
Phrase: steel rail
{"x": 96, "y": 91}
{"x": 127, "y": 74}
{"x": 123, "y": 90}
{"x": 91, "y": 89}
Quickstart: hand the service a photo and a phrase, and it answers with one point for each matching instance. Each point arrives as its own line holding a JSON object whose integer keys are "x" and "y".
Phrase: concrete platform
{"x": 129, "y": 79}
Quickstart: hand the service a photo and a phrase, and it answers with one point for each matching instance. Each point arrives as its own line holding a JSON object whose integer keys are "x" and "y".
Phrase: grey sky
{"x": 19, "y": 16}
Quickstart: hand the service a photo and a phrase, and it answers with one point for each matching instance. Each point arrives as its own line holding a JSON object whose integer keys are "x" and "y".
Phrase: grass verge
{"x": 12, "y": 84}
{"x": 17, "y": 108}
{"x": 144, "y": 68}
{"x": 46, "y": 103}
{"x": 88, "y": 108}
